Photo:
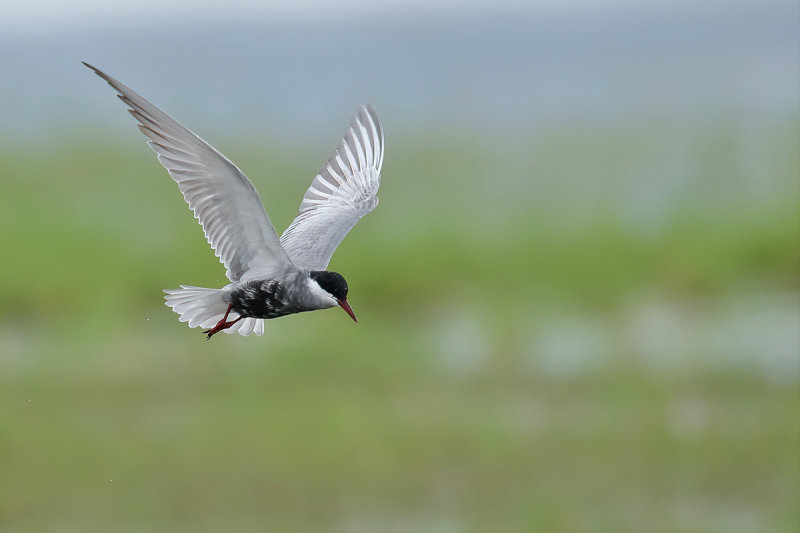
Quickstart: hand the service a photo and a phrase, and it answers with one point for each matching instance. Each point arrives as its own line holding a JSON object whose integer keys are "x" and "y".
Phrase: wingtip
{"x": 368, "y": 114}
{"x": 111, "y": 81}
{"x": 368, "y": 109}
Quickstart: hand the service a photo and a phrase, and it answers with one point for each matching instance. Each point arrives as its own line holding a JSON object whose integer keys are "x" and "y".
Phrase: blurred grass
{"x": 584, "y": 329}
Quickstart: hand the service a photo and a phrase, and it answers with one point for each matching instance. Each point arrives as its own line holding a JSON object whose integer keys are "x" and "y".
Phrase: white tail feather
{"x": 202, "y": 307}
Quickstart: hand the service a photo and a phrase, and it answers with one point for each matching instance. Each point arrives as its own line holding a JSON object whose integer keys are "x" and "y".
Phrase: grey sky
{"x": 56, "y": 14}
{"x": 491, "y": 67}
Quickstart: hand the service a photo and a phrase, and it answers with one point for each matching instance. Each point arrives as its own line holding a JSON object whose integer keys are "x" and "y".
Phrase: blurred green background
{"x": 578, "y": 301}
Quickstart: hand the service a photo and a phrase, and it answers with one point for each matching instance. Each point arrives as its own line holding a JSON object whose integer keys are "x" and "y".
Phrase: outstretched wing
{"x": 344, "y": 191}
{"x": 223, "y": 200}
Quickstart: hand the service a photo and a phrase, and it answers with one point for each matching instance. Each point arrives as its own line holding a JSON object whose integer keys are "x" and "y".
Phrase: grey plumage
{"x": 269, "y": 276}
{"x": 344, "y": 190}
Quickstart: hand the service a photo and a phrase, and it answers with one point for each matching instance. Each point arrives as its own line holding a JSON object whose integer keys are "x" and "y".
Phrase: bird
{"x": 269, "y": 276}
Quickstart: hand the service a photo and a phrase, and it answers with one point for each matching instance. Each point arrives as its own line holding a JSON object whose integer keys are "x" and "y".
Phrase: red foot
{"x": 222, "y": 324}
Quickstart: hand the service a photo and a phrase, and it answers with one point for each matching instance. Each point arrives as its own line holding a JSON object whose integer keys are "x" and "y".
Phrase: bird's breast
{"x": 269, "y": 298}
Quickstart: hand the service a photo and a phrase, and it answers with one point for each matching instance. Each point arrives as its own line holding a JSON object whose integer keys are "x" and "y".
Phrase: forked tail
{"x": 204, "y": 308}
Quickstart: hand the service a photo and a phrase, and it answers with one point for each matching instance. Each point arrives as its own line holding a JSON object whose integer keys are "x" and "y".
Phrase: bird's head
{"x": 334, "y": 284}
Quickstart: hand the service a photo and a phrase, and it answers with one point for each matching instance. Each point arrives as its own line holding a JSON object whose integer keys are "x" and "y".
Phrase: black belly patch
{"x": 262, "y": 299}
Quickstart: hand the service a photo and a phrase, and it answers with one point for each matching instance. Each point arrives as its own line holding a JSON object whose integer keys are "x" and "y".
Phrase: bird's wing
{"x": 223, "y": 200}
{"x": 344, "y": 191}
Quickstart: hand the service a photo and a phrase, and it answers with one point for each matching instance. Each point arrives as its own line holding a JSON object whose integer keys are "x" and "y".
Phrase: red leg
{"x": 222, "y": 324}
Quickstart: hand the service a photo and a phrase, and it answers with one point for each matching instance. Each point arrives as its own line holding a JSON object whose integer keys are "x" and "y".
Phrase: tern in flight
{"x": 269, "y": 276}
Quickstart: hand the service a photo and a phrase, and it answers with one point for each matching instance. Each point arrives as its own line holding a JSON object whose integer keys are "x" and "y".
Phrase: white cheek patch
{"x": 323, "y": 296}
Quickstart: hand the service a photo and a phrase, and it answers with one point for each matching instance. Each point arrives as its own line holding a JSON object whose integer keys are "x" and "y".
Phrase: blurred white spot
{"x": 758, "y": 333}
{"x": 461, "y": 342}
{"x": 23, "y": 349}
{"x": 568, "y": 348}
{"x": 660, "y": 334}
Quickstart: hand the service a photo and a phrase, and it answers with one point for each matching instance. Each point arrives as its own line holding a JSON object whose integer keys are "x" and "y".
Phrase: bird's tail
{"x": 204, "y": 308}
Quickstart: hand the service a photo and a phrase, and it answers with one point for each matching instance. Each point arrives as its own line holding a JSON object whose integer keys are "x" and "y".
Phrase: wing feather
{"x": 345, "y": 190}
{"x": 223, "y": 200}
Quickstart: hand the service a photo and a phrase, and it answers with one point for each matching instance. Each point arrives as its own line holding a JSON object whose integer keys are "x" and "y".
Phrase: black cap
{"x": 333, "y": 282}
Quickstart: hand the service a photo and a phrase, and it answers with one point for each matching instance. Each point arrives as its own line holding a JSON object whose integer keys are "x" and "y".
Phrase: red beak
{"x": 346, "y": 306}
